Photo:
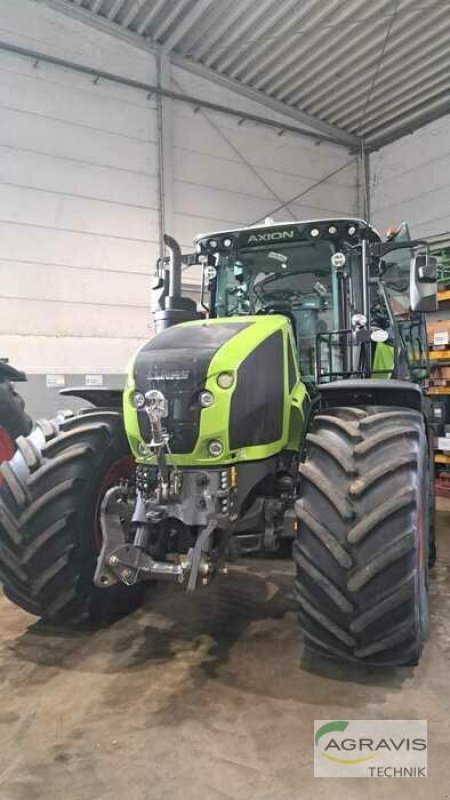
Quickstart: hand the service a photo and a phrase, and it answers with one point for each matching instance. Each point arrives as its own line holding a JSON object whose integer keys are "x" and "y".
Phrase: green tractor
{"x": 289, "y": 410}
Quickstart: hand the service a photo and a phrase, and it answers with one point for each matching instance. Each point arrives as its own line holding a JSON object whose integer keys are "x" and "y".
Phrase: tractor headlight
{"x": 215, "y": 448}
{"x": 314, "y": 232}
{"x": 225, "y": 380}
{"x": 138, "y": 400}
{"x": 206, "y": 399}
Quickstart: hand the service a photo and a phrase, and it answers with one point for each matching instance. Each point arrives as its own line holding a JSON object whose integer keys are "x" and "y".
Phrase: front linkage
{"x": 164, "y": 496}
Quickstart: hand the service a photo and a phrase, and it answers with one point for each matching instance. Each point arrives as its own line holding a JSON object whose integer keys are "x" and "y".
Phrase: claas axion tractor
{"x": 288, "y": 409}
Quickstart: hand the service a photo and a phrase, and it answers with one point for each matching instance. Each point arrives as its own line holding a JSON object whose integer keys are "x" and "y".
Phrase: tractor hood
{"x": 246, "y": 412}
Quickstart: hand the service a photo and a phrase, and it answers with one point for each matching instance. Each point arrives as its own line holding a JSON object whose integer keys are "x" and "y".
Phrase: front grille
{"x": 176, "y": 363}
{"x": 183, "y": 420}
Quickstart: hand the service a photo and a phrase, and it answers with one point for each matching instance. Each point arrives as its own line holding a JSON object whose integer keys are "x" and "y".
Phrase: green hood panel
{"x": 252, "y": 418}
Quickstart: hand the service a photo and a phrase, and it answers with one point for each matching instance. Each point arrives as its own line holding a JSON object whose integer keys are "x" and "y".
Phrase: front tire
{"x": 49, "y": 504}
{"x": 361, "y": 547}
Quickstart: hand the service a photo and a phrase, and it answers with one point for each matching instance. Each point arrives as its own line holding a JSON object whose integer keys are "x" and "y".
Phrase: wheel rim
{"x": 6, "y": 445}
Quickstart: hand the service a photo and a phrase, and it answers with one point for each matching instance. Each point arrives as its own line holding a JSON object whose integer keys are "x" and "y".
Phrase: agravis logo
{"x": 370, "y": 748}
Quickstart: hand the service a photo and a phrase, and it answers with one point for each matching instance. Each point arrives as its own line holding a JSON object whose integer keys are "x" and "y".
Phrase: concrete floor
{"x": 204, "y": 698}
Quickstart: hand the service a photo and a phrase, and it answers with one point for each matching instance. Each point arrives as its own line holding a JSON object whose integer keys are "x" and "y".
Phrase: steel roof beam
{"x": 438, "y": 97}
{"x": 321, "y": 129}
{"x": 423, "y": 115}
{"x": 330, "y": 131}
{"x": 149, "y": 88}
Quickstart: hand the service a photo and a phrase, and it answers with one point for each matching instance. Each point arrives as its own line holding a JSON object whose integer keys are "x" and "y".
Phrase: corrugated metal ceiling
{"x": 371, "y": 68}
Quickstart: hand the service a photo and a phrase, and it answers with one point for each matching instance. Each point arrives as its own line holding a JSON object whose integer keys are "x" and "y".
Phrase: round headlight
{"x": 332, "y": 229}
{"x": 138, "y": 400}
{"x": 206, "y": 399}
{"x": 314, "y": 232}
{"x": 225, "y": 380}
{"x": 215, "y": 448}
{"x": 351, "y": 230}
{"x": 227, "y": 242}
{"x": 212, "y": 244}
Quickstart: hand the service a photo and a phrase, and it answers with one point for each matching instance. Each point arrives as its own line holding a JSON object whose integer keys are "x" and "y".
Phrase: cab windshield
{"x": 294, "y": 279}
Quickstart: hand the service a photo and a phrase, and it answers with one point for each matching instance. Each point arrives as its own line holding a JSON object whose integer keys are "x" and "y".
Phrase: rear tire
{"x": 49, "y": 503}
{"x": 362, "y": 542}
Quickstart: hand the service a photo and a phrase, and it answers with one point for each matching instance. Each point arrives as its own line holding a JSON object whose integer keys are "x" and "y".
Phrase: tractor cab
{"x": 352, "y": 300}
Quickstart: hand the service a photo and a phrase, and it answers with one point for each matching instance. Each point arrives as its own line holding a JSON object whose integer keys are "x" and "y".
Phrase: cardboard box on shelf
{"x": 443, "y": 443}
{"x": 438, "y": 328}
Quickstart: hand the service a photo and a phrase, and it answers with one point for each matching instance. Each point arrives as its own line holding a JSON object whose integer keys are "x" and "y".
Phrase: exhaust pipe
{"x": 169, "y": 306}
{"x": 174, "y": 266}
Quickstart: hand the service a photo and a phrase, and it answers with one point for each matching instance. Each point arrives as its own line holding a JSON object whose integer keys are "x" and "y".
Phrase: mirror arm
{"x": 380, "y": 249}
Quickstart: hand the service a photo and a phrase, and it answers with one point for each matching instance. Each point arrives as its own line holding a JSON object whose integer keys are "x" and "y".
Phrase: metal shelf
{"x": 441, "y": 458}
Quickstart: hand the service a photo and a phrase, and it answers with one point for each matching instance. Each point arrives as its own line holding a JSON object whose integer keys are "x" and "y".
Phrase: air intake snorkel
{"x": 169, "y": 307}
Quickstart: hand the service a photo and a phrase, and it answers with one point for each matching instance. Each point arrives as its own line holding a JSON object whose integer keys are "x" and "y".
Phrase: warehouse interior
{"x": 125, "y": 120}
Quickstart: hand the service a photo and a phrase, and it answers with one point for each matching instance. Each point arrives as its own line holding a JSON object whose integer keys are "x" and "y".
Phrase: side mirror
{"x": 423, "y": 282}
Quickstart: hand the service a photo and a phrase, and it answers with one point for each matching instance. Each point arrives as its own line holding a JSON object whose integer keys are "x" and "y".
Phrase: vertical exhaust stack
{"x": 170, "y": 307}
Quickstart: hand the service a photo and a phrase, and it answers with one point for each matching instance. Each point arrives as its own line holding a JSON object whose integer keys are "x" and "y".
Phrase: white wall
{"x": 79, "y": 189}
{"x": 410, "y": 180}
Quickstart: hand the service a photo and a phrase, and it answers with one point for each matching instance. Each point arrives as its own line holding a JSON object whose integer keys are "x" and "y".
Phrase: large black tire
{"x": 49, "y": 504}
{"x": 362, "y": 544}
{"x": 13, "y": 418}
